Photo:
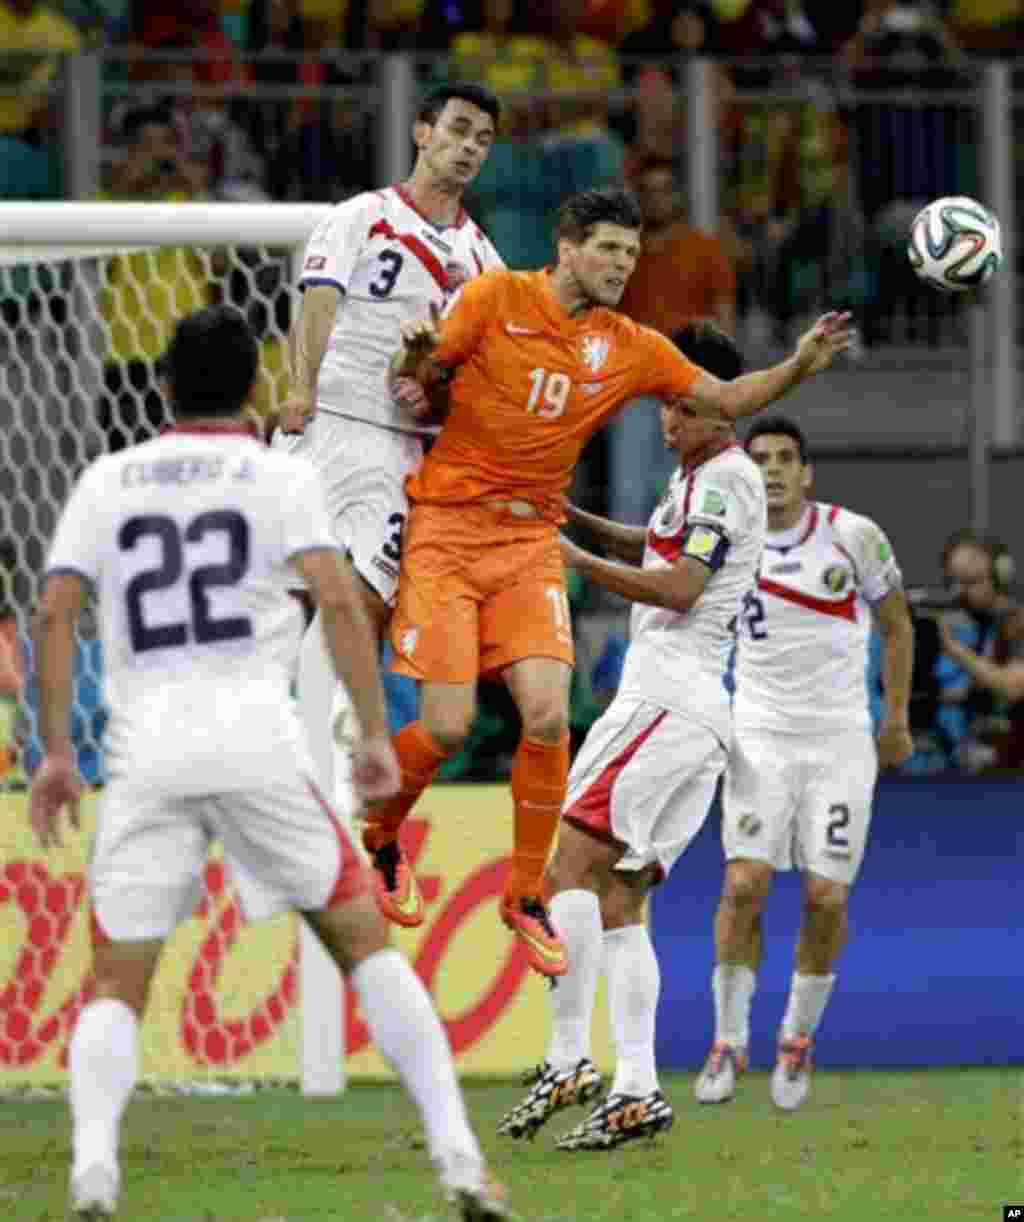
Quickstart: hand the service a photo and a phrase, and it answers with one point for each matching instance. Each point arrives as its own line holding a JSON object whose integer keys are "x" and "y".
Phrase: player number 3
{"x": 549, "y": 393}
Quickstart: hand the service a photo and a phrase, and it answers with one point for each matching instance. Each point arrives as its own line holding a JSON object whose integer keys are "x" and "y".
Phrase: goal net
{"x": 89, "y": 295}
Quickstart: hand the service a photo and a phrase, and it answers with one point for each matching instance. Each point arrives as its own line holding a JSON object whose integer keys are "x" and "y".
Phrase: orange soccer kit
{"x": 482, "y": 583}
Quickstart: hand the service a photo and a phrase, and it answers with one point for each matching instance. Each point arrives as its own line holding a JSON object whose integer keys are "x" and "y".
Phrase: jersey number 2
{"x": 206, "y": 629}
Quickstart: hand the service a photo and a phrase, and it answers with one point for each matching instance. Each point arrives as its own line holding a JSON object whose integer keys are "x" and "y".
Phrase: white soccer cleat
{"x": 716, "y": 1082}
{"x": 94, "y": 1193}
{"x": 791, "y": 1078}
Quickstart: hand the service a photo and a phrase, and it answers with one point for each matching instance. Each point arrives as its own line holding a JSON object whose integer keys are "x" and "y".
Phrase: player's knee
{"x": 747, "y": 884}
{"x": 623, "y": 898}
{"x": 825, "y": 900}
{"x": 546, "y": 723}
{"x": 450, "y": 729}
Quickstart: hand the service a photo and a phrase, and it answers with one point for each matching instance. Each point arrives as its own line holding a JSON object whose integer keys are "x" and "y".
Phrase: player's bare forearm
{"x": 309, "y": 336}
{"x": 677, "y": 588}
{"x": 55, "y": 650}
{"x": 1005, "y": 680}
{"x": 897, "y": 629}
{"x": 624, "y": 542}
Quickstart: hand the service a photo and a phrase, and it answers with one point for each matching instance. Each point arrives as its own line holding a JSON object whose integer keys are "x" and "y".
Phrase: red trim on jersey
{"x": 812, "y": 525}
{"x": 460, "y": 217}
{"x": 833, "y": 513}
{"x": 353, "y": 877}
{"x": 844, "y": 609}
{"x": 417, "y": 247}
{"x": 592, "y": 810}
{"x": 670, "y": 548}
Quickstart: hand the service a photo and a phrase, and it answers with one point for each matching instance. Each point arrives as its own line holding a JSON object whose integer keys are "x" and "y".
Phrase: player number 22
{"x": 549, "y": 393}
{"x": 169, "y": 570}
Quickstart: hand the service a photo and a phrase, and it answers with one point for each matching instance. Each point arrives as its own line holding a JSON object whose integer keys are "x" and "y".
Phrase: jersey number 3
{"x": 205, "y": 628}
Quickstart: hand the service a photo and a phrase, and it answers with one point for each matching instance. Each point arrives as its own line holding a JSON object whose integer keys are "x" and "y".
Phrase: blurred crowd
{"x": 814, "y": 188}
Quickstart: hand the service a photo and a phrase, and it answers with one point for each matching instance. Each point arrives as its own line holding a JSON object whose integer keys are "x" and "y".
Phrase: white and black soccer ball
{"x": 955, "y": 244}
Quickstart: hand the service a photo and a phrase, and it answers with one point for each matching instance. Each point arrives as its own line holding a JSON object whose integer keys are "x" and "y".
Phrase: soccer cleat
{"x": 552, "y": 1090}
{"x": 528, "y": 919}
{"x": 398, "y": 896}
{"x": 791, "y": 1078}
{"x": 620, "y": 1118}
{"x": 716, "y": 1082}
{"x": 94, "y": 1193}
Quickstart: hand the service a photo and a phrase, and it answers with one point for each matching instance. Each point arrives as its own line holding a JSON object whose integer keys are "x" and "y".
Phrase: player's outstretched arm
{"x": 676, "y": 588}
{"x": 307, "y": 344}
{"x": 749, "y": 393}
{"x": 352, "y": 643}
{"x": 624, "y": 542}
{"x": 895, "y": 744}
{"x": 56, "y": 783}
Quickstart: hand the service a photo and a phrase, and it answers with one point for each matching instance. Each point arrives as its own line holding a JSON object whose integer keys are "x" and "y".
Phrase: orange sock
{"x": 420, "y": 757}
{"x": 539, "y": 775}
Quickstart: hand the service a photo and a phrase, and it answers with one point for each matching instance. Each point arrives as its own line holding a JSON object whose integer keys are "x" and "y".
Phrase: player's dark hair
{"x": 780, "y": 426}
{"x": 211, "y": 363}
{"x": 465, "y": 91}
{"x": 581, "y": 213}
{"x": 707, "y": 345}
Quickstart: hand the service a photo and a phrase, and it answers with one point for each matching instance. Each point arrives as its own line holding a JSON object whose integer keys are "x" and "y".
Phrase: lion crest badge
{"x": 594, "y": 351}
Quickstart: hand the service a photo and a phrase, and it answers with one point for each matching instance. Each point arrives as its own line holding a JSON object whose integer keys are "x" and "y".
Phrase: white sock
{"x": 104, "y": 1064}
{"x": 808, "y": 997}
{"x": 733, "y": 986}
{"x": 576, "y": 915}
{"x": 634, "y": 982}
{"x": 405, "y": 1027}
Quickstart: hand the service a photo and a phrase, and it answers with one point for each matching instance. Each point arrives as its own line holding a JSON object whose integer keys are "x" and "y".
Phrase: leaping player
{"x": 380, "y": 259}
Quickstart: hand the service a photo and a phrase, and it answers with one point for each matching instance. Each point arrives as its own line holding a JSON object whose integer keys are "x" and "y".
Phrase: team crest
{"x": 835, "y": 578}
{"x": 594, "y": 351}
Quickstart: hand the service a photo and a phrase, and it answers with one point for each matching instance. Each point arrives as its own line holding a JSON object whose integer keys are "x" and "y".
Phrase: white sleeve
{"x": 878, "y": 574}
{"x": 78, "y": 540}
{"x": 306, "y": 524}
{"x": 725, "y": 501}
{"x": 336, "y": 243}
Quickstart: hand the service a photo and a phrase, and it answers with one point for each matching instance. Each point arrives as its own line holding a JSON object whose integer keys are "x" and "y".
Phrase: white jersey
{"x": 802, "y": 647}
{"x": 677, "y": 660}
{"x": 392, "y": 264}
{"x": 188, "y": 542}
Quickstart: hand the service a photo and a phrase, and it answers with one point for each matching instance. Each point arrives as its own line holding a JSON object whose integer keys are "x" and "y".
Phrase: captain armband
{"x": 705, "y": 543}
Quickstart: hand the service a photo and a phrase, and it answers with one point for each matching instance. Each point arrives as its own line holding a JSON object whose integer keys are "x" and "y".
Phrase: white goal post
{"x": 79, "y": 282}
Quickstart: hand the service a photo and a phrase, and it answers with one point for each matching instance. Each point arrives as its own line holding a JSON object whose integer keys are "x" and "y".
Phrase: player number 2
{"x": 838, "y": 822}
{"x": 170, "y": 569}
{"x": 549, "y": 393}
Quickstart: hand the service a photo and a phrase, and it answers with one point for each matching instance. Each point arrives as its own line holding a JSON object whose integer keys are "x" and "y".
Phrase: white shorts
{"x": 363, "y": 468}
{"x": 284, "y": 845}
{"x": 800, "y": 802}
{"x": 644, "y": 778}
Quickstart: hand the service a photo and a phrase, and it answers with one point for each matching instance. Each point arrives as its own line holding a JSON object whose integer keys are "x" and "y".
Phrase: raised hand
{"x": 830, "y": 335}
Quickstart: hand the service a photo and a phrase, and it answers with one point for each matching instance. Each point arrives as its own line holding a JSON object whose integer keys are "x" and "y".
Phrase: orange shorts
{"x": 479, "y": 589}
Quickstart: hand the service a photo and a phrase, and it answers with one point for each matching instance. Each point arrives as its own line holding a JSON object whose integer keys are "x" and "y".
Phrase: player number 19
{"x": 549, "y": 393}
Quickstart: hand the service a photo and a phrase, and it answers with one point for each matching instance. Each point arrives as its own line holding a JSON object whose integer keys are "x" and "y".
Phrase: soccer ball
{"x": 955, "y": 244}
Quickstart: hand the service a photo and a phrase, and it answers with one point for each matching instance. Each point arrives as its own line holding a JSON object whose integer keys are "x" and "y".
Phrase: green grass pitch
{"x": 869, "y": 1145}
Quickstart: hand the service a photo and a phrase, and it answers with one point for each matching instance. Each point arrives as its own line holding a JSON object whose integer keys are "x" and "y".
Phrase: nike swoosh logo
{"x": 545, "y": 952}
{"x": 512, "y": 329}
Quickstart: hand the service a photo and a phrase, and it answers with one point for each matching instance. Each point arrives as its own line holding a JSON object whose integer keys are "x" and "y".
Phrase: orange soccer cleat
{"x": 398, "y": 896}
{"x": 528, "y": 919}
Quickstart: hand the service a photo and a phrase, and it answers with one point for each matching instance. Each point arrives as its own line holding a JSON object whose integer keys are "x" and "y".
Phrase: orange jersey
{"x": 532, "y": 385}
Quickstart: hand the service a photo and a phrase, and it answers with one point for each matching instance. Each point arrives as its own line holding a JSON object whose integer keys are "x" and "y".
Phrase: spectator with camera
{"x": 986, "y": 641}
